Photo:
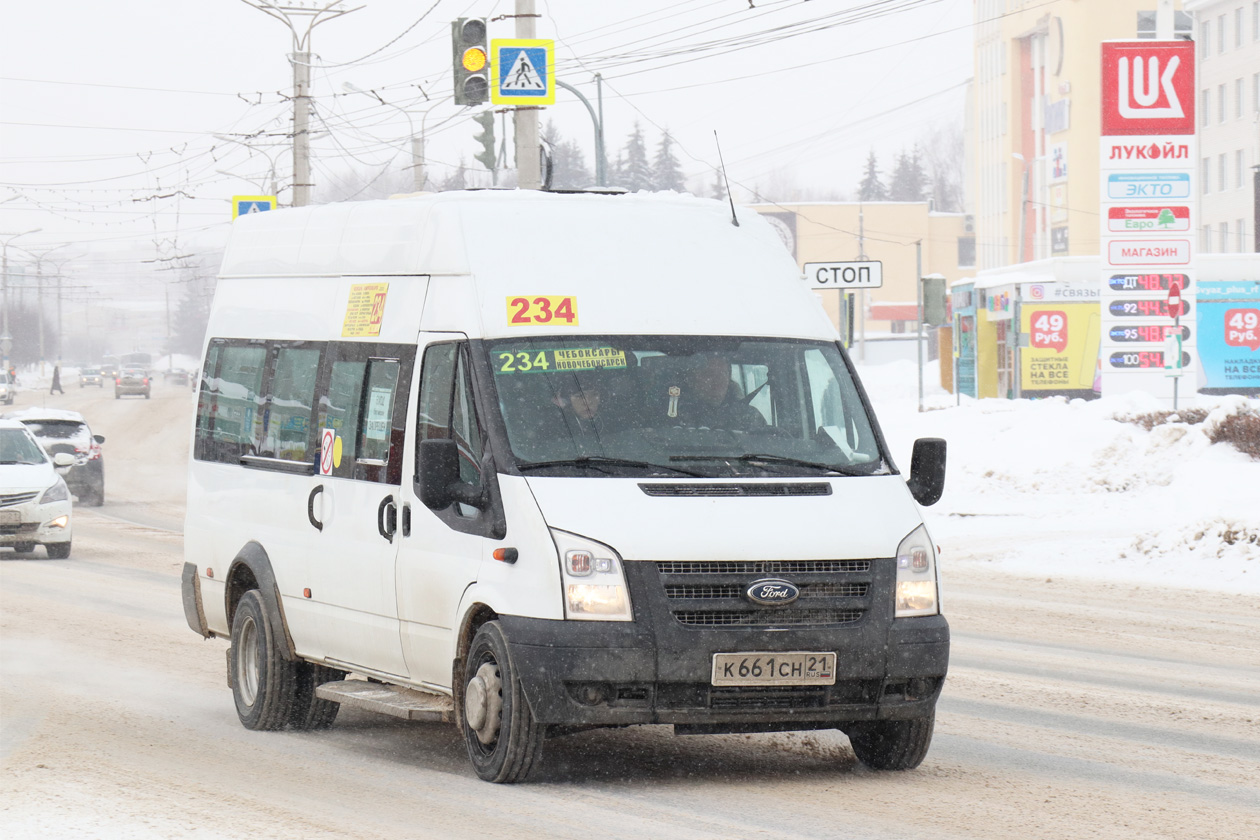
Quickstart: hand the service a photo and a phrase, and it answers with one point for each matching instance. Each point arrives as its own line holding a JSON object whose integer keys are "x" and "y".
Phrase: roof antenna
{"x": 718, "y": 143}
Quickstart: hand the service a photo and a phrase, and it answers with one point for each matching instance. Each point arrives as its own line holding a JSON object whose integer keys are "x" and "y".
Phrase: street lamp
{"x": 417, "y": 140}
{"x": 1023, "y": 206}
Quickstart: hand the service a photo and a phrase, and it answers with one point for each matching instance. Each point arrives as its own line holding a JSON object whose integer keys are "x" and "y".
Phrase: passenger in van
{"x": 708, "y": 397}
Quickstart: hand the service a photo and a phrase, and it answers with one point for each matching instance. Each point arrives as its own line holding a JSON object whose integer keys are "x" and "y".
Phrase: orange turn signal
{"x": 507, "y": 555}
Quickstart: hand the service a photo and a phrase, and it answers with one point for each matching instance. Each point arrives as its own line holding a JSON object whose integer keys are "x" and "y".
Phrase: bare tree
{"x": 944, "y": 165}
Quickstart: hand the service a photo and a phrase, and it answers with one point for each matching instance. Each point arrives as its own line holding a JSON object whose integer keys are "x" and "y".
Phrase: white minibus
{"x": 533, "y": 463}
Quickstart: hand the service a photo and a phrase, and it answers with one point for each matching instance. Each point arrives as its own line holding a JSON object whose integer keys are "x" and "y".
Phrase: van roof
{"x": 666, "y": 260}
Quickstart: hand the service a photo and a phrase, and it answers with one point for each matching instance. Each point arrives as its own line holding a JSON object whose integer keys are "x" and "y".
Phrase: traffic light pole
{"x": 528, "y": 165}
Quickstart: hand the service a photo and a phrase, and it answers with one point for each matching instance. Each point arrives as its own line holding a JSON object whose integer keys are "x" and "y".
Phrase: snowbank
{"x": 1068, "y": 488}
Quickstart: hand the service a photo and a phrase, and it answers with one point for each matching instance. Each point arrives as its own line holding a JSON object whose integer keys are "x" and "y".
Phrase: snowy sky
{"x": 111, "y": 111}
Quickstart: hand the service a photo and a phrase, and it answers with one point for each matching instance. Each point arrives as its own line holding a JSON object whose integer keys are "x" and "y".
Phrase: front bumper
{"x": 36, "y": 524}
{"x": 658, "y": 670}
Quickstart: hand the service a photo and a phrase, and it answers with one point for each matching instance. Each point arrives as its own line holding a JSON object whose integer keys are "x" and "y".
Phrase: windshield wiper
{"x": 601, "y": 462}
{"x": 757, "y": 458}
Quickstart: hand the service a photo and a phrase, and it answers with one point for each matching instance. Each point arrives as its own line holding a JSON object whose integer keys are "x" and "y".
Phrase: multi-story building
{"x": 1035, "y": 123}
{"x": 1227, "y": 33}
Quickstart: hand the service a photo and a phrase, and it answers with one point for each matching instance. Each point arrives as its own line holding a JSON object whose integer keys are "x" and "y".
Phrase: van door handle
{"x": 387, "y": 518}
{"x": 310, "y": 507}
{"x": 406, "y": 520}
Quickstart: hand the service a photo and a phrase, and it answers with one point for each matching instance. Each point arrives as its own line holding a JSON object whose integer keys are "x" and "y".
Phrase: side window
{"x": 752, "y": 381}
{"x": 286, "y": 420}
{"x": 228, "y": 418}
{"x": 464, "y": 426}
{"x": 362, "y": 406}
{"x": 447, "y": 409}
{"x": 339, "y": 410}
{"x": 378, "y": 410}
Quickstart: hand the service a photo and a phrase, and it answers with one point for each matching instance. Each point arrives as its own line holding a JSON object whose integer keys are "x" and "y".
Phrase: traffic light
{"x": 487, "y": 156}
{"x": 472, "y": 65}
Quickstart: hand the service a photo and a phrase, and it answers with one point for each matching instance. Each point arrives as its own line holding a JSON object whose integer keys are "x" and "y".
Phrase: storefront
{"x": 963, "y": 303}
{"x": 1059, "y": 336}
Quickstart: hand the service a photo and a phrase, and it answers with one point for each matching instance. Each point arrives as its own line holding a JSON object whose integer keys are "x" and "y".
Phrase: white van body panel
{"x": 661, "y": 279}
{"x": 863, "y": 518}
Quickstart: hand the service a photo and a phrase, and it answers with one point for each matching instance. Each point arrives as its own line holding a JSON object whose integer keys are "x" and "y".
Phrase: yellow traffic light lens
{"x": 474, "y": 59}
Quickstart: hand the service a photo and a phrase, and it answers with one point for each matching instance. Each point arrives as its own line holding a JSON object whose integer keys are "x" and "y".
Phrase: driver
{"x": 708, "y": 398}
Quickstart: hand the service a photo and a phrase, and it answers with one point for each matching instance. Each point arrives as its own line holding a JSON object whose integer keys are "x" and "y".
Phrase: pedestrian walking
{"x": 56, "y": 383}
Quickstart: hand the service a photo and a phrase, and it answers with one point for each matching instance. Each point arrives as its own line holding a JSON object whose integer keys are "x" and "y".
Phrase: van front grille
{"x": 713, "y": 593}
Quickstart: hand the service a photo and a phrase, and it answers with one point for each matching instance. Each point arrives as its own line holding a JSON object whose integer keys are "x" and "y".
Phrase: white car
{"x": 34, "y": 500}
{"x": 8, "y": 388}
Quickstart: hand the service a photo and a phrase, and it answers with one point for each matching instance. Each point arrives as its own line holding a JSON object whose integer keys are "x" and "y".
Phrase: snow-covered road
{"x": 1076, "y": 706}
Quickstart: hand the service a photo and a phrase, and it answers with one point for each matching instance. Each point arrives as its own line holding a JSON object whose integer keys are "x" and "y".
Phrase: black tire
{"x": 146, "y": 395}
{"x": 892, "y": 744}
{"x": 310, "y": 712}
{"x": 503, "y": 739}
{"x": 58, "y": 551}
{"x": 24, "y": 548}
{"x": 115, "y": 394}
{"x": 97, "y": 497}
{"x": 264, "y": 683}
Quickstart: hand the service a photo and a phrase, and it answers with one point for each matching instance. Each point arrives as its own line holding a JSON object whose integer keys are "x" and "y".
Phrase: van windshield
{"x": 681, "y": 405}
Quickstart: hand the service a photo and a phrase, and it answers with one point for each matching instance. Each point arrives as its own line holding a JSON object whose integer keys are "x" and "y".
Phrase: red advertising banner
{"x": 1148, "y": 87}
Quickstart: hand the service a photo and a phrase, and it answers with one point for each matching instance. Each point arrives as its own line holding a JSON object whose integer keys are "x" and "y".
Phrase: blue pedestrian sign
{"x": 524, "y": 71}
{"x": 244, "y": 204}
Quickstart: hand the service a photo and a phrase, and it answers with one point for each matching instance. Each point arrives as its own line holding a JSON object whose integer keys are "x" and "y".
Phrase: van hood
{"x": 861, "y": 517}
{"x": 23, "y": 478}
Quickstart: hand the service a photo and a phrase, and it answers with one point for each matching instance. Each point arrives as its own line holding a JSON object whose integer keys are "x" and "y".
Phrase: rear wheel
{"x": 503, "y": 739}
{"x": 309, "y": 711}
{"x": 58, "y": 551}
{"x": 264, "y": 683}
{"x": 892, "y": 744}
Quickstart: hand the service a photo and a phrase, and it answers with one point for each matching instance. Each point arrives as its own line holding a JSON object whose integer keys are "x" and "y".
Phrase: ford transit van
{"x": 534, "y": 463}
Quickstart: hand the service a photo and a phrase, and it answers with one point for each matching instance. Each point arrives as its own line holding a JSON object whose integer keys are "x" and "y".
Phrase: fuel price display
{"x": 1145, "y": 333}
{"x": 1143, "y": 360}
{"x": 1156, "y": 308}
{"x": 1146, "y": 282}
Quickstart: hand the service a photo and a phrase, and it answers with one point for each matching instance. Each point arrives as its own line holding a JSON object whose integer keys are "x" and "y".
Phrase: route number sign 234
{"x": 557, "y": 310}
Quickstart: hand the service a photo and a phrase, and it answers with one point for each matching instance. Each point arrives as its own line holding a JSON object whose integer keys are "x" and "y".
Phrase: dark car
{"x": 132, "y": 380}
{"x": 179, "y": 376}
{"x": 58, "y": 430}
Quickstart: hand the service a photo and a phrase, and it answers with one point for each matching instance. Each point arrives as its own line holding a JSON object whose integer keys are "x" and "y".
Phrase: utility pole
{"x": 528, "y": 174}
{"x": 862, "y": 292}
{"x": 319, "y": 12}
{"x": 6, "y": 340}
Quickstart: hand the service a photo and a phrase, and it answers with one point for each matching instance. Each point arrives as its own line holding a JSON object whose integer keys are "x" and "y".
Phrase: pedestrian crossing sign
{"x": 524, "y": 71}
{"x": 245, "y": 204}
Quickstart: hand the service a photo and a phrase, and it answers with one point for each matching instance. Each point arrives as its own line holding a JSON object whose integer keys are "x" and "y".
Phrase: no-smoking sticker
{"x": 327, "y": 443}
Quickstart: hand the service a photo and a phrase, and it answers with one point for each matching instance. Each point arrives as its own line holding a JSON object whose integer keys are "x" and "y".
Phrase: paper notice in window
{"x": 365, "y": 310}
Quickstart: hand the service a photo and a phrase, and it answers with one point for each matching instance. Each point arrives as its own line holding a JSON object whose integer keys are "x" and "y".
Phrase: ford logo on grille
{"x": 772, "y": 592}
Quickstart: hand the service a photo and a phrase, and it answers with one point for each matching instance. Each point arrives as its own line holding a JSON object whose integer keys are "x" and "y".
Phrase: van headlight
{"x": 57, "y": 493}
{"x": 917, "y": 591}
{"x": 594, "y": 585}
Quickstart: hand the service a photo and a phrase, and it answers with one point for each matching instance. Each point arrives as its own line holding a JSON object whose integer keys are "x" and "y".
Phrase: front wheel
{"x": 503, "y": 739}
{"x": 58, "y": 551}
{"x": 892, "y": 744}
{"x": 264, "y": 683}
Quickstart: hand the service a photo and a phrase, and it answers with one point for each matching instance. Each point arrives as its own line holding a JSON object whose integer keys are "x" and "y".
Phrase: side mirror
{"x": 63, "y": 459}
{"x": 927, "y": 471}
{"x": 438, "y": 476}
{"x": 98, "y": 438}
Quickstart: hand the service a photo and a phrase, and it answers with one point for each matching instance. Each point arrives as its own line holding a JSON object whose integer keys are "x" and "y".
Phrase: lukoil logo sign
{"x": 1148, "y": 87}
